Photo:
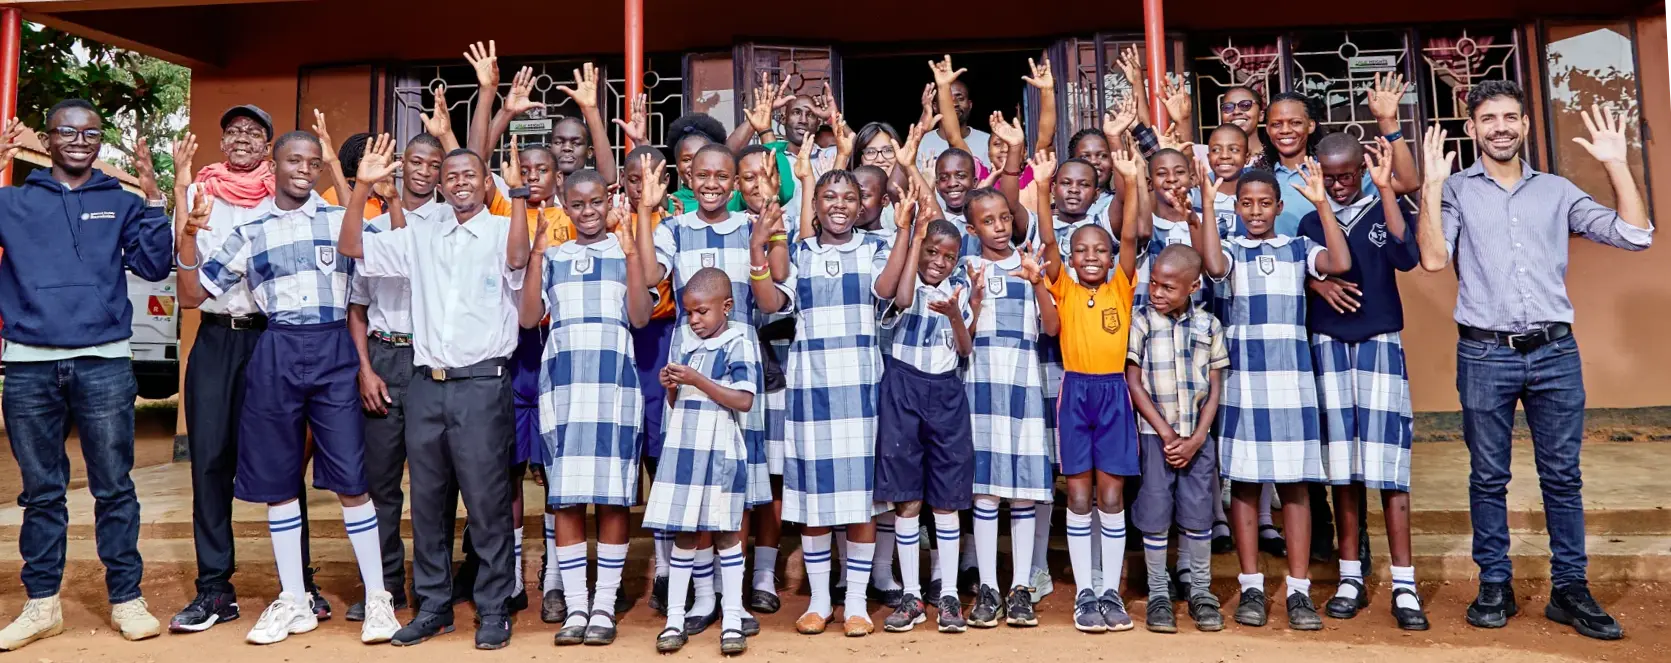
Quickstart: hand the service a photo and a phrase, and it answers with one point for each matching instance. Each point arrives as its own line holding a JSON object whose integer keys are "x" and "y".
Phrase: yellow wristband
{"x": 780, "y": 237}
{"x": 761, "y": 276}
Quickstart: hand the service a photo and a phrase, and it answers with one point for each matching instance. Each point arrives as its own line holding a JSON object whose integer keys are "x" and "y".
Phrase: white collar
{"x": 691, "y": 342}
{"x": 428, "y": 211}
{"x": 1056, "y": 220}
{"x": 475, "y": 226}
{"x": 852, "y": 244}
{"x": 726, "y": 227}
{"x": 1167, "y": 225}
{"x": 1275, "y": 242}
{"x": 609, "y": 245}
{"x": 944, "y": 288}
{"x": 310, "y": 207}
{"x": 1010, "y": 263}
{"x": 1349, "y": 214}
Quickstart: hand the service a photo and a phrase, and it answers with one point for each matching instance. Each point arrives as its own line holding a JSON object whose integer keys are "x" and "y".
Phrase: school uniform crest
{"x": 995, "y": 284}
{"x": 832, "y": 267}
{"x": 1267, "y": 264}
{"x": 1378, "y": 234}
{"x": 695, "y": 362}
{"x": 946, "y": 338}
{"x": 1174, "y": 240}
{"x": 709, "y": 259}
{"x": 325, "y": 257}
{"x": 1111, "y": 320}
{"x": 582, "y": 264}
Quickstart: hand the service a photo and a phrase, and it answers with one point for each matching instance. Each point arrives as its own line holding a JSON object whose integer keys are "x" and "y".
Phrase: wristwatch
{"x": 158, "y": 203}
{"x": 519, "y": 192}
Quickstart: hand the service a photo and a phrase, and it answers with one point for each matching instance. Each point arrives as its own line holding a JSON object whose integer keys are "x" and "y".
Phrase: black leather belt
{"x": 491, "y": 368}
{"x": 1522, "y": 342}
{"x": 236, "y": 322}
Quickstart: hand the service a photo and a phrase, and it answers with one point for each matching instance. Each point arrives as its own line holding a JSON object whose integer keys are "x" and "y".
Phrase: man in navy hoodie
{"x": 69, "y": 233}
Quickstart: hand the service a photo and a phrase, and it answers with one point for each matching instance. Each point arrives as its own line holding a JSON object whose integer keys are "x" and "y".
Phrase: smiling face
{"x": 799, "y": 120}
{"x": 1289, "y": 127}
{"x": 954, "y": 175}
{"x": 539, "y": 174}
{"x": 1258, "y": 204}
{"x": 587, "y": 203}
{"x": 1499, "y": 125}
{"x": 706, "y": 312}
{"x": 1227, "y": 154}
{"x": 1170, "y": 287}
{"x": 683, "y": 152}
{"x": 939, "y": 257}
{"x": 872, "y": 198}
{"x": 1091, "y": 255}
{"x": 1245, "y": 109}
{"x": 712, "y": 175}
{"x": 754, "y": 180}
{"x": 991, "y": 220}
{"x": 569, "y": 145}
{"x": 1075, "y": 189}
{"x": 463, "y": 179}
{"x": 296, "y": 168}
{"x": 75, "y": 153}
{"x": 1094, "y": 148}
{"x": 1342, "y": 176}
{"x": 878, "y": 152}
{"x": 244, "y": 143}
{"x": 837, "y": 205}
{"x": 1170, "y": 171}
{"x": 420, "y": 169}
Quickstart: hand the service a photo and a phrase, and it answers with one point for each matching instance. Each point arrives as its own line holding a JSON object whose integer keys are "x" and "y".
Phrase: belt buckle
{"x": 438, "y": 374}
{"x": 1523, "y": 342}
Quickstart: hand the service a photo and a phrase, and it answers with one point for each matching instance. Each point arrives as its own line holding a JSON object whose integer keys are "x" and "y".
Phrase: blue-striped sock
{"x": 986, "y": 539}
{"x": 882, "y": 567}
{"x": 1154, "y": 561}
{"x": 1113, "y": 549}
{"x": 908, "y": 536}
{"x": 947, "y": 530}
{"x": 284, "y": 524}
{"x": 518, "y": 583}
{"x": 1022, "y": 519}
{"x": 859, "y": 558}
{"x": 702, "y": 583}
{"x": 571, "y": 563}
{"x": 612, "y": 558}
{"x": 664, "y": 548}
{"x": 1350, "y": 569}
{"x": 731, "y": 586}
{"x": 361, "y": 523}
{"x": 681, "y": 562}
{"x": 551, "y": 578}
{"x": 815, "y": 552}
{"x": 1079, "y": 550}
{"x": 1404, "y": 577}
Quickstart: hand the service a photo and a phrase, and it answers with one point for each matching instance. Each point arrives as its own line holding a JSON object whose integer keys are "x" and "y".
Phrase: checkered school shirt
{"x": 1177, "y": 355}
{"x": 924, "y": 339}
{"x": 685, "y": 244}
{"x": 290, "y": 260}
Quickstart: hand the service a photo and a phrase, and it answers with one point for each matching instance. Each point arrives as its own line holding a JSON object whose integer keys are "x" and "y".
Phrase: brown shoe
{"x": 859, "y": 626}
{"x": 811, "y": 623}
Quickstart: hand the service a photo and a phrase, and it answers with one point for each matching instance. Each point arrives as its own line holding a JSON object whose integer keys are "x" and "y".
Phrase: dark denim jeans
{"x": 41, "y": 400}
{"x": 1549, "y": 382}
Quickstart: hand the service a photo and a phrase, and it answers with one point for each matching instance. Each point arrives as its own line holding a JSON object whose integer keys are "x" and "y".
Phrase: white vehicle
{"x": 156, "y": 336}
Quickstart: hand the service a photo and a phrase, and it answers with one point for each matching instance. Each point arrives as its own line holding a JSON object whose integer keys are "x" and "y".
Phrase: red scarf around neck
{"x": 241, "y": 189}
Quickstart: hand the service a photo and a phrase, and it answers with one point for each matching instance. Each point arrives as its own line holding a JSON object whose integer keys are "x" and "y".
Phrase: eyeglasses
{"x": 69, "y": 134}
{"x": 1229, "y": 107}
{"x": 1343, "y": 178}
{"x": 878, "y": 152}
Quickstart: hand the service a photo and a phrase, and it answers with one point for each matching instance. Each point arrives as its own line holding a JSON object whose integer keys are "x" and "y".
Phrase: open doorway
{"x": 889, "y": 88}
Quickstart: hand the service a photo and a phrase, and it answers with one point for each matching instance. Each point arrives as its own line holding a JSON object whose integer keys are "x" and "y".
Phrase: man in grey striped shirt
{"x": 1507, "y": 227}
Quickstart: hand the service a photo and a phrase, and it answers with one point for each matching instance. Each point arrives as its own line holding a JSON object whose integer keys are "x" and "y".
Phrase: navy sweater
{"x": 61, "y": 281}
{"x": 1376, "y": 253}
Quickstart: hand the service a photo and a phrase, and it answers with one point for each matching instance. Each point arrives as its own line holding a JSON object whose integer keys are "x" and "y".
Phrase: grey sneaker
{"x": 1113, "y": 610}
{"x": 951, "y": 615}
{"x": 1086, "y": 616}
{"x": 987, "y": 605}
{"x": 907, "y": 616}
{"x": 1042, "y": 585}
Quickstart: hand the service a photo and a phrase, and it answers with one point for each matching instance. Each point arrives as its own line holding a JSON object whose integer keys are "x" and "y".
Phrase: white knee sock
{"x": 1043, "y": 513}
{"x": 284, "y": 525}
{"x": 361, "y": 523}
{"x": 612, "y": 559}
{"x": 571, "y": 563}
{"x": 1404, "y": 577}
{"x": 859, "y": 559}
{"x": 1022, "y": 520}
{"x": 518, "y": 583}
{"x": 986, "y": 539}
{"x": 908, "y": 535}
{"x": 702, "y": 583}
{"x": 1079, "y": 551}
{"x": 680, "y": 563}
{"x": 664, "y": 548}
{"x": 1350, "y": 569}
{"x": 765, "y": 569}
{"x": 882, "y": 567}
{"x": 551, "y": 579}
{"x": 731, "y": 587}
{"x": 1113, "y": 549}
{"x": 947, "y": 530}
{"x": 815, "y": 552}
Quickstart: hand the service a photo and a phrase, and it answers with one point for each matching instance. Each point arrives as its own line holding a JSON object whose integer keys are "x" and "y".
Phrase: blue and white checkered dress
{"x": 1363, "y": 392}
{"x": 1006, "y": 390}
{"x": 290, "y": 260}
{"x": 834, "y": 375}
{"x": 1166, "y": 234}
{"x": 684, "y": 245}
{"x": 590, "y": 406}
{"x": 1269, "y": 417}
{"x": 701, "y": 483}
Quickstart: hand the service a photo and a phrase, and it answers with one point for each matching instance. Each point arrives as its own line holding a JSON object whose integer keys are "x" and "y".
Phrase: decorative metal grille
{"x": 807, "y": 69}
{"x": 1454, "y": 61}
{"x": 1338, "y": 69}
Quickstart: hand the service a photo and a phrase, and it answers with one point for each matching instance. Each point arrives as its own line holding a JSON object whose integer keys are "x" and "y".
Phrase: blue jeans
{"x": 1549, "y": 381}
{"x": 41, "y": 400}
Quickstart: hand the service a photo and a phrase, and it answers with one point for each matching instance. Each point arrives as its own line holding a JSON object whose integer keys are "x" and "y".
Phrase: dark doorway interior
{"x": 889, "y": 88}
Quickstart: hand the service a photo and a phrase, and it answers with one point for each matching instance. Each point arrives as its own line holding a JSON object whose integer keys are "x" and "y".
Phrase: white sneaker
{"x": 134, "y": 621}
{"x": 380, "y": 623}
{"x": 283, "y": 617}
{"x": 41, "y": 618}
{"x": 1042, "y": 584}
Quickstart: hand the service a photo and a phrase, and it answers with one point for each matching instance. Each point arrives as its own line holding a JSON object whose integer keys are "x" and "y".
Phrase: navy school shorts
{"x": 525, "y": 390}
{"x": 301, "y": 377}
{"x": 1169, "y": 494}
{"x": 924, "y": 447}
{"x": 1095, "y": 426}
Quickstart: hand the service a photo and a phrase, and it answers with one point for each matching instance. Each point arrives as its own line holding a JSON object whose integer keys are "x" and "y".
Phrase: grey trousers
{"x": 385, "y": 459}
{"x": 459, "y": 437}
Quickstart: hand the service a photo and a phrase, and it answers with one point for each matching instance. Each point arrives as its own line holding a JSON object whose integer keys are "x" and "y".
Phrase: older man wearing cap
{"x": 242, "y": 189}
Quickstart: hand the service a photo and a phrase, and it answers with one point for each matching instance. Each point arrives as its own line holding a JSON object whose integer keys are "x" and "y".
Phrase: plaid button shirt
{"x": 1177, "y": 355}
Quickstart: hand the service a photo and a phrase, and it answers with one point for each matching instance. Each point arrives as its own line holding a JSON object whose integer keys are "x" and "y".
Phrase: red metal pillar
{"x": 1154, "y": 48}
{"x": 11, "y": 43}
{"x": 635, "y": 55}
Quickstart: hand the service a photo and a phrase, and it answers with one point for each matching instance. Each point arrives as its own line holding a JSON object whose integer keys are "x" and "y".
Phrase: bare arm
{"x": 339, "y": 182}
{"x": 1128, "y": 234}
{"x": 1430, "y": 228}
{"x": 1385, "y": 95}
{"x": 888, "y": 282}
{"x": 531, "y": 307}
{"x": 1045, "y": 81}
{"x": 485, "y": 61}
{"x": 585, "y": 94}
{"x": 944, "y": 75}
{"x": 1050, "y": 321}
{"x": 1015, "y": 139}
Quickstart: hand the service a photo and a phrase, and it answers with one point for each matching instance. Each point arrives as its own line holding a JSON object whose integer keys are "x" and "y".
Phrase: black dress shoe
{"x": 1409, "y": 620}
{"x": 1341, "y": 607}
{"x": 1223, "y": 543}
{"x": 764, "y": 602}
{"x": 552, "y": 607}
{"x": 888, "y": 597}
{"x": 1574, "y": 606}
{"x": 751, "y": 626}
{"x": 1302, "y": 615}
{"x": 732, "y": 643}
{"x": 658, "y": 598}
{"x": 1252, "y": 610}
{"x": 421, "y": 628}
{"x": 1204, "y": 609}
{"x": 572, "y": 635}
{"x": 1275, "y": 546}
{"x": 494, "y": 632}
{"x": 696, "y": 624}
{"x": 601, "y": 635}
{"x": 671, "y": 640}
{"x": 1161, "y": 617}
{"x": 518, "y": 602}
{"x": 1494, "y": 605}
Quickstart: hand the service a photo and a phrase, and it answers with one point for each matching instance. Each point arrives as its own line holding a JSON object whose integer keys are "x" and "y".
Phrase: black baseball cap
{"x": 250, "y": 111}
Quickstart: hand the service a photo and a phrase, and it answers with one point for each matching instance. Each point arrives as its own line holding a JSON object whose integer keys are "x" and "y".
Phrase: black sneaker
{"x": 887, "y": 597}
{"x": 357, "y": 611}
{"x": 1275, "y": 546}
{"x": 518, "y": 602}
{"x": 907, "y": 616}
{"x": 208, "y": 609}
{"x": 1252, "y": 609}
{"x": 1019, "y": 609}
{"x": 1204, "y": 609}
{"x": 951, "y": 615}
{"x": 494, "y": 632}
{"x": 1086, "y": 616}
{"x": 658, "y": 598}
{"x": 1161, "y": 618}
{"x": 764, "y": 602}
{"x": 1408, "y": 619}
{"x": 985, "y": 612}
{"x": 1574, "y": 606}
{"x": 421, "y": 628}
{"x": 321, "y": 607}
{"x": 1302, "y": 615}
{"x": 968, "y": 581}
{"x": 1494, "y": 605}
{"x": 552, "y": 607}
{"x": 1341, "y": 607}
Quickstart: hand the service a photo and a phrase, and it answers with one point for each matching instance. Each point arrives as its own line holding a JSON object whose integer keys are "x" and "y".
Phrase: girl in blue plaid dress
{"x": 592, "y": 288}
{"x": 1270, "y": 424}
{"x": 834, "y": 282}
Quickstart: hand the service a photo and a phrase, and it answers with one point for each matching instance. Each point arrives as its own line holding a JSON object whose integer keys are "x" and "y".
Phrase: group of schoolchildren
{"x": 828, "y": 335}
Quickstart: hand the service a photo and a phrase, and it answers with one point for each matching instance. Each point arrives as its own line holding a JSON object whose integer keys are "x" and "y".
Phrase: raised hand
{"x": 767, "y": 225}
{"x": 928, "y": 98}
{"x": 185, "y": 150}
{"x": 905, "y": 206}
{"x": 1120, "y": 117}
{"x": 976, "y": 268}
{"x": 585, "y": 90}
{"x": 759, "y": 115}
{"x": 1176, "y": 97}
{"x": 485, "y": 60}
{"x": 1377, "y": 159}
{"x": 824, "y": 104}
{"x": 513, "y": 167}
{"x": 943, "y": 72}
{"x": 1042, "y": 78}
{"x": 542, "y": 230}
{"x": 1043, "y": 164}
{"x": 1009, "y": 132}
{"x": 11, "y": 141}
{"x": 803, "y": 161}
{"x": 439, "y": 122}
{"x": 1313, "y": 189}
{"x": 324, "y": 135}
{"x": 1032, "y": 266}
{"x": 843, "y": 133}
{"x": 1125, "y": 163}
{"x": 1436, "y": 162}
{"x": 147, "y": 171}
{"x": 520, "y": 99}
{"x": 378, "y": 163}
{"x": 1607, "y": 136}
{"x": 948, "y": 306}
{"x": 1385, "y": 94}
{"x": 197, "y": 218}
{"x": 1131, "y": 65}
{"x": 906, "y": 154}
{"x": 637, "y": 129}
{"x": 1169, "y": 140}
{"x": 654, "y": 188}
